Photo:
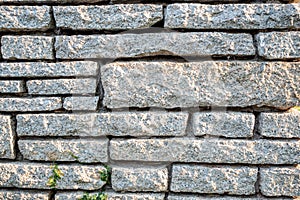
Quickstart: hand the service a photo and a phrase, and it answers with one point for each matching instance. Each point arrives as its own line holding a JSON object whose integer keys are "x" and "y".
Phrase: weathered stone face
{"x": 10, "y": 195}
{"x": 11, "y": 87}
{"x": 7, "y": 138}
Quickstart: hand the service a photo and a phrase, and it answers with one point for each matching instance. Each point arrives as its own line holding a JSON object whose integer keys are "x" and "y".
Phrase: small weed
{"x": 73, "y": 155}
{"x": 105, "y": 174}
{"x": 99, "y": 196}
{"x": 56, "y": 175}
{"x": 298, "y": 108}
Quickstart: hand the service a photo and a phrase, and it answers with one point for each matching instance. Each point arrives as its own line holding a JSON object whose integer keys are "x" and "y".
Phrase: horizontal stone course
{"x": 279, "y": 45}
{"x": 226, "y": 124}
{"x": 84, "y": 151}
{"x": 44, "y": 69}
{"x": 206, "y": 151}
{"x": 207, "y": 179}
{"x": 280, "y": 125}
{"x": 150, "y": 44}
{"x": 204, "y": 197}
{"x": 207, "y": 83}
{"x": 115, "y": 124}
{"x": 27, "y": 47}
{"x": 11, "y": 86}
{"x": 36, "y": 176}
{"x": 62, "y": 86}
{"x": 108, "y": 17}
{"x": 24, "y": 195}
{"x": 30, "y": 104}
{"x": 52, "y": 1}
{"x": 81, "y": 103}
{"x": 7, "y": 138}
{"x": 22, "y": 18}
{"x": 232, "y": 16}
{"x": 278, "y": 181}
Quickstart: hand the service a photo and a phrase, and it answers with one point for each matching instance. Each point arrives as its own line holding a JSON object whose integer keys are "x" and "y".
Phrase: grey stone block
{"x": 136, "y": 179}
{"x": 62, "y": 86}
{"x": 205, "y": 197}
{"x": 194, "y": 84}
{"x": 30, "y": 104}
{"x": 226, "y": 124}
{"x": 7, "y": 138}
{"x": 11, "y": 86}
{"x": 23, "y": 195}
{"x": 116, "y": 124}
{"x": 27, "y": 47}
{"x": 83, "y": 150}
{"x": 206, "y": 151}
{"x": 151, "y": 44}
{"x": 81, "y": 103}
{"x": 22, "y": 18}
{"x": 108, "y": 17}
{"x": 220, "y": 180}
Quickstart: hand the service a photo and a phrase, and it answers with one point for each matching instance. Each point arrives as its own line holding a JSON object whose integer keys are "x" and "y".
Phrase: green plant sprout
{"x": 105, "y": 174}
{"x": 99, "y": 196}
{"x": 56, "y": 175}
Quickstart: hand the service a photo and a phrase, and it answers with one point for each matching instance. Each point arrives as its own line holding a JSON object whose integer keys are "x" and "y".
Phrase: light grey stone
{"x": 108, "y": 17}
{"x": 206, "y": 151}
{"x": 232, "y": 16}
{"x": 11, "y": 86}
{"x": 62, "y": 86}
{"x": 207, "y": 83}
{"x": 43, "y": 69}
{"x": 81, "y": 103}
{"x": 143, "y": 179}
{"x": 226, "y": 124}
{"x": 276, "y": 181}
{"x": 111, "y": 196}
{"x": 280, "y": 125}
{"x": 279, "y": 45}
{"x": 23, "y": 195}
{"x": 199, "y": 197}
{"x": 7, "y": 138}
{"x": 21, "y": 18}
{"x": 27, "y": 47}
{"x": 83, "y": 150}
{"x": 115, "y": 124}
{"x": 52, "y": 1}
{"x": 36, "y": 176}
{"x": 151, "y": 44}
{"x": 30, "y": 104}
{"x": 220, "y": 180}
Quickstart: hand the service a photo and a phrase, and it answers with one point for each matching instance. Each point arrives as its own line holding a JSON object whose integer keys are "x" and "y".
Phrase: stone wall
{"x": 154, "y": 100}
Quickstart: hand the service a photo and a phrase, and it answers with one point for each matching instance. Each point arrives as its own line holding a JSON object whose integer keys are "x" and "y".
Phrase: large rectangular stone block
{"x": 7, "y": 138}
{"x": 44, "y": 69}
{"x": 220, "y": 180}
{"x": 27, "y": 47}
{"x": 11, "y": 86}
{"x": 115, "y": 124}
{"x": 36, "y": 176}
{"x": 205, "y": 197}
{"x": 232, "y": 16}
{"x": 62, "y": 86}
{"x": 83, "y": 150}
{"x": 30, "y": 104}
{"x": 108, "y": 17}
{"x": 23, "y": 195}
{"x": 137, "y": 179}
{"x": 194, "y": 84}
{"x": 280, "y": 181}
{"x": 279, "y": 45}
{"x": 150, "y": 44}
{"x": 206, "y": 151}
{"x": 22, "y": 18}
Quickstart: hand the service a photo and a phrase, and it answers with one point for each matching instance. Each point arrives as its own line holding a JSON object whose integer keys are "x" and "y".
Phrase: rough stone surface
{"x": 30, "y": 104}
{"x": 226, "y": 124}
{"x": 202, "y": 197}
{"x": 208, "y": 83}
{"x": 139, "y": 179}
{"x": 111, "y": 196}
{"x": 224, "y": 179}
{"x": 11, "y": 86}
{"x": 23, "y": 195}
{"x": 81, "y": 103}
{"x": 278, "y": 181}
{"x": 110, "y": 17}
{"x": 84, "y": 151}
{"x": 137, "y": 45}
{"x": 115, "y": 124}
{"x": 206, "y": 151}
{"x": 280, "y": 125}
{"x": 279, "y": 45}
{"x": 43, "y": 69}
{"x": 7, "y": 138}
{"x": 22, "y": 18}
{"x": 33, "y": 175}
{"x": 232, "y": 16}
{"x": 27, "y": 47}
{"x": 62, "y": 86}
{"x": 52, "y": 1}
